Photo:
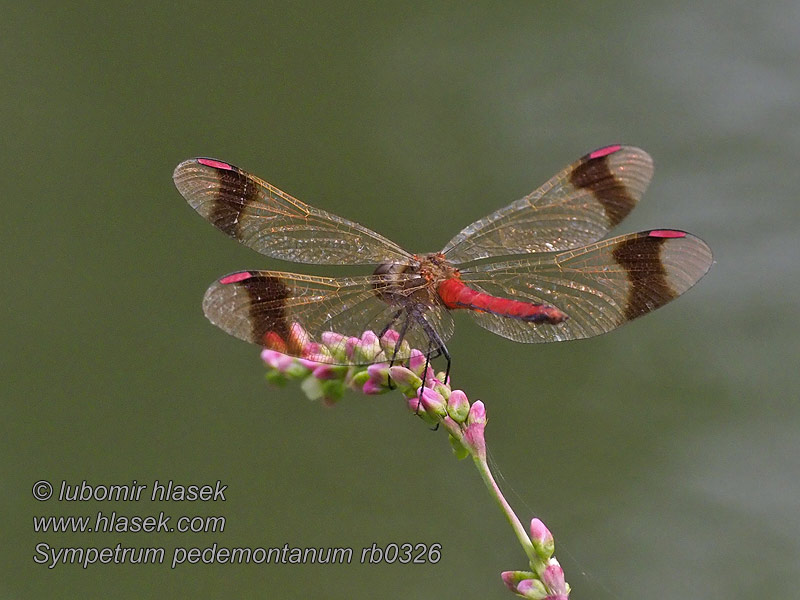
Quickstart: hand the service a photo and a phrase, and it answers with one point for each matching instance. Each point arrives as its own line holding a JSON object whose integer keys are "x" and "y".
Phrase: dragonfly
{"x": 536, "y": 270}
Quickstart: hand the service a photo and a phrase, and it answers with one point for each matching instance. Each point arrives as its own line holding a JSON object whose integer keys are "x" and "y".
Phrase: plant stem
{"x": 486, "y": 474}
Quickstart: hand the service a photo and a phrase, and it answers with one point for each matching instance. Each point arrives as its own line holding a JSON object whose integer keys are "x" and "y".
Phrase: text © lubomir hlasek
{"x": 168, "y": 491}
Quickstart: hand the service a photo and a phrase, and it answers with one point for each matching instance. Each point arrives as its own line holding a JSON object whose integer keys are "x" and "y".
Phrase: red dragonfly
{"x": 531, "y": 272}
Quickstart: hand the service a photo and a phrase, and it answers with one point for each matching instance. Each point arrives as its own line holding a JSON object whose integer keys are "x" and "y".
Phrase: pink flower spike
{"x": 533, "y": 589}
{"x": 369, "y": 338}
{"x": 416, "y": 362}
{"x": 458, "y": 406}
{"x": 270, "y": 357}
{"x": 414, "y": 405}
{"x": 513, "y": 579}
{"x": 312, "y": 350}
{"x": 372, "y": 388}
{"x": 367, "y": 349}
{"x": 542, "y": 539}
{"x": 473, "y": 433}
{"x": 325, "y": 372}
{"x": 430, "y": 378}
{"x": 553, "y": 578}
{"x": 350, "y": 345}
{"x": 432, "y": 402}
{"x": 308, "y": 364}
{"x": 473, "y": 438}
{"x": 390, "y": 338}
{"x": 276, "y": 360}
{"x": 332, "y": 339}
{"x": 404, "y": 378}
{"x": 477, "y": 413}
{"x": 379, "y": 373}
{"x": 298, "y": 336}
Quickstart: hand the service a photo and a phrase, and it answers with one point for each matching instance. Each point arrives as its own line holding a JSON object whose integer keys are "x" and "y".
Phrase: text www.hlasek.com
{"x": 405, "y": 553}
{"x": 116, "y": 523}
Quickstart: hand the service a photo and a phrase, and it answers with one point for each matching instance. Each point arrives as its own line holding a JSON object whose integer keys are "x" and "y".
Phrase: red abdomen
{"x": 456, "y": 294}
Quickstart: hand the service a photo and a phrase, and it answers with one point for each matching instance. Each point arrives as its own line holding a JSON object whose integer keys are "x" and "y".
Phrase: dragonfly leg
{"x": 391, "y": 322}
{"x": 425, "y": 370}
{"x": 428, "y": 357}
{"x": 435, "y": 342}
{"x": 446, "y": 354}
{"x": 401, "y": 335}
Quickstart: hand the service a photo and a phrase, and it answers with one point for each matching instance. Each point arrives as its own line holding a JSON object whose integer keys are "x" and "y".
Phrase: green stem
{"x": 494, "y": 489}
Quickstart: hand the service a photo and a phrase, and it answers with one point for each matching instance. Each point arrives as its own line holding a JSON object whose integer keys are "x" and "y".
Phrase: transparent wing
{"x": 293, "y": 313}
{"x": 274, "y": 223}
{"x": 576, "y": 207}
{"x": 599, "y": 287}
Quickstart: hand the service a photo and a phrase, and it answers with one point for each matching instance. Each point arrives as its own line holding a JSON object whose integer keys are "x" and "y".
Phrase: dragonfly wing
{"x": 292, "y": 313}
{"x": 599, "y": 287}
{"x": 274, "y": 223}
{"x": 577, "y": 206}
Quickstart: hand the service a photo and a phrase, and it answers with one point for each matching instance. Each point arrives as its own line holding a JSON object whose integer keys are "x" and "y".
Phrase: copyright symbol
{"x": 42, "y": 490}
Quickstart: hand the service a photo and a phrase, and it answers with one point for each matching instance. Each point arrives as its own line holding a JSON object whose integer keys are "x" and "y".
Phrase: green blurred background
{"x": 665, "y": 457}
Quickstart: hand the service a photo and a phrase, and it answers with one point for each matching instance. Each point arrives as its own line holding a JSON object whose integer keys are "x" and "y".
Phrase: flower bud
{"x": 416, "y": 406}
{"x": 323, "y": 371}
{"x": 432, "y": 402}
{"x": 542, "y": 539}
{"x": 276, "y": 377}
{"x": 359, "y": 378}
{"x": 312, "y": 388}
{"x": 442, "y": 390}
{"x": 335, "y": 346}
{"x": 350, "y": 346}
{"x": 372, "y": 387}
{"x": 477, "y": 413}
{"x": 367, "y": 349}
{"x": 332, "y": 339}
{"x": 417, "y": 362}
{"x": 553, "y": 578}
{"x": 473, "y": 432}
{"x": 389, "y": 341}
{"x": 404, "y": 378}
{"x": 379, "y": 373}
{"x": 458, "y": 406}
{"x": 276, "y": 360}
{"x": 298, "y": 337}
{"x": 512, "y": 578}
{"x": 533, "y": 589}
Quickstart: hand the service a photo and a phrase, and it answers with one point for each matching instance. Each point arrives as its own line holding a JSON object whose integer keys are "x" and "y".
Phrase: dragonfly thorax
{"x": 412, "y": 282}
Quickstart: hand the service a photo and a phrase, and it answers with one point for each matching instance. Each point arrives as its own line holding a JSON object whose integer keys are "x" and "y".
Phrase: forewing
{"x": 576, "y": 207}
{"x": 294, "y": 313}
{"x": 599, "y": 287}
{"x": 274, "y": 223}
